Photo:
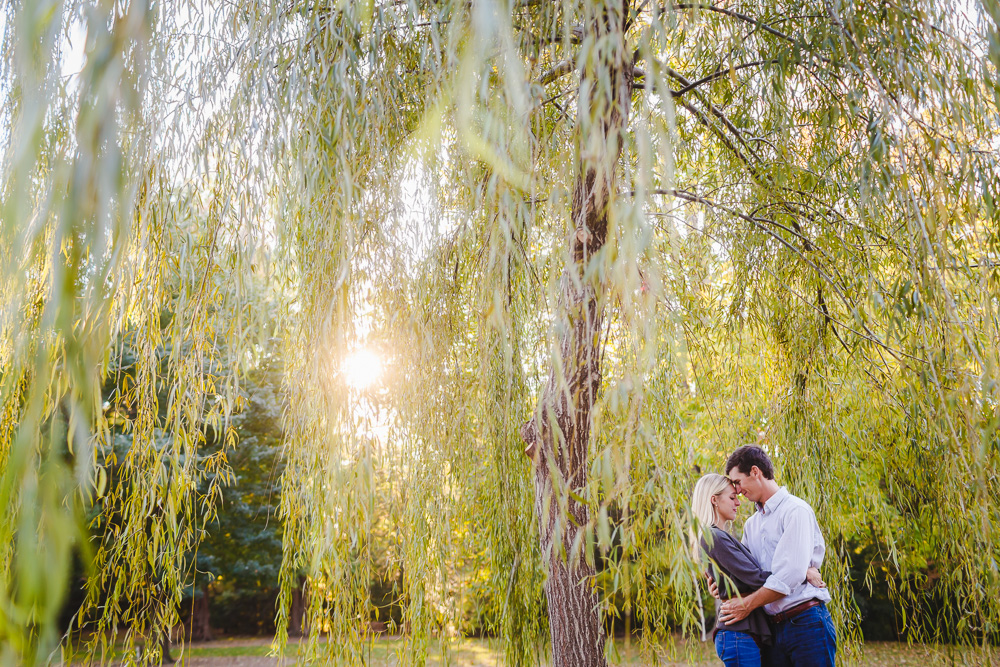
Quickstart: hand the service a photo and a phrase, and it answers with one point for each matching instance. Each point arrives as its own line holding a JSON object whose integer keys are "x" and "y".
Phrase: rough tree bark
{"x": 558, "y": 436}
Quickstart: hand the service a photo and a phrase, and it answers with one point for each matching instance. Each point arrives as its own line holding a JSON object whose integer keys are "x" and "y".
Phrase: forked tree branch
{"x": 719, "y": 74}
{"x": 759, "y": 223}
{"x": 715, "y": 111}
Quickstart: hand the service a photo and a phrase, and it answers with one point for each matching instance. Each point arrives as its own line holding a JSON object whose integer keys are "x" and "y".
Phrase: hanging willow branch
{"x": 439, "y": 182}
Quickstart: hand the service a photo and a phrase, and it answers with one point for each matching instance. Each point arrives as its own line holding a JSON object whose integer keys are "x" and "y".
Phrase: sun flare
{"x": 362, "y": 368}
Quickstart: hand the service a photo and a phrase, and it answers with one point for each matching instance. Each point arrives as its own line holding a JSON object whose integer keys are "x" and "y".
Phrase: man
{"x": 784, "y": 537}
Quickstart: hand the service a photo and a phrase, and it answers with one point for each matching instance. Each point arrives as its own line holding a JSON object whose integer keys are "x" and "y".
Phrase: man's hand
{"x": 737, "y": 609}
{"x": 734, "y": 610}
{"x": 713, "y": 588}
{"x": 813, "y": 577}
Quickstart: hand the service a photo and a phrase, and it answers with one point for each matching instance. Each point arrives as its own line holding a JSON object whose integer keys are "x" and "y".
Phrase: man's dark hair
{"x": 749, "y": 456}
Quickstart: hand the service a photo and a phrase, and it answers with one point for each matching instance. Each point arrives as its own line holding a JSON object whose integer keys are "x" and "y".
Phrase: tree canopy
{"x": 708, "y": 223}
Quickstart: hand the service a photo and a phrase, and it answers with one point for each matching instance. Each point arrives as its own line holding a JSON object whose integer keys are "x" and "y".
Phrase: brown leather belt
{"x": 792, "y": 612}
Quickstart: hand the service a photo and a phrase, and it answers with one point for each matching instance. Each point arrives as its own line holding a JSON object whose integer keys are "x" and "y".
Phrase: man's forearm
{"x": 761, "y": 597}
{"x": 736, "y": 609}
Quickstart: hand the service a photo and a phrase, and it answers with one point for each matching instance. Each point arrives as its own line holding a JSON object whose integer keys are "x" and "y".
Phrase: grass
{"x": 387, "y": 652}
{"x": 461, "y": 653}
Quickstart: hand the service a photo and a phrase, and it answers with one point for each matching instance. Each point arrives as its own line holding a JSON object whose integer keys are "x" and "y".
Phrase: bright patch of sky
{"x": 362, "y": 369}
{"x": 424, "y": 218}
{"x": 73, "y": 49}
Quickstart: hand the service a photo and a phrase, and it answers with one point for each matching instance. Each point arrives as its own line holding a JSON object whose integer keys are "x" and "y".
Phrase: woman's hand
{"x": 712, "y": 587}
{"x": 813, "y": 577}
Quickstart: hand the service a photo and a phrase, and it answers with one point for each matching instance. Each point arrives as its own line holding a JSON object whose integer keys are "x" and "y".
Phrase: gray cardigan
{"x": 732, "y": 563}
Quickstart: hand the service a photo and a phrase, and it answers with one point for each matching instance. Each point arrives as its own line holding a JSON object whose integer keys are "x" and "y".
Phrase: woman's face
{"x": 726, "y": 504}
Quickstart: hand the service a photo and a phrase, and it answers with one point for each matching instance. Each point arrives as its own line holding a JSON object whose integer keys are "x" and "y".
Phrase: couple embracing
{"x": 770, "y": 600}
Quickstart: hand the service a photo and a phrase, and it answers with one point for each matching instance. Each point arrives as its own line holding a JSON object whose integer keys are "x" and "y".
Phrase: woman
{"x": 736, "y": 572}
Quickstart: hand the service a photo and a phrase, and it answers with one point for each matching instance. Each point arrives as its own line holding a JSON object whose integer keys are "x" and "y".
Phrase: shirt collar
{"x": 774, "y": 501}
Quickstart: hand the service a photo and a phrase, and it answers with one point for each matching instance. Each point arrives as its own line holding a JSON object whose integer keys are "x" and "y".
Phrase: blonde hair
{"x": 703, "y": 514}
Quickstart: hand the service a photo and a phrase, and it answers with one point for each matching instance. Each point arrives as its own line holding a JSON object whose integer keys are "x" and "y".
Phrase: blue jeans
{"x": 806, "y": 640}
{"x": 737, "y": 649}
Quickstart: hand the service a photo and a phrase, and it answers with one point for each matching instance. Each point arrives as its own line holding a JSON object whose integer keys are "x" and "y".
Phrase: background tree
{"x": 240, "y": 557}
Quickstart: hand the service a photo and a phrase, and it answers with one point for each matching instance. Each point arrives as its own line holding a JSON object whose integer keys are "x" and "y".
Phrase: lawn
{"x": 387, "y": 652}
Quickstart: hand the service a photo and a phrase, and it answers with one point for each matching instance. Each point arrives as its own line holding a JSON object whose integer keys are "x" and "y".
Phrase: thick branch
{"x": 557, "y": 72}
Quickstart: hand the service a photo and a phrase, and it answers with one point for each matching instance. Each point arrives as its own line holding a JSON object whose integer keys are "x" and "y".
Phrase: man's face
{"x": 748, "y": 484}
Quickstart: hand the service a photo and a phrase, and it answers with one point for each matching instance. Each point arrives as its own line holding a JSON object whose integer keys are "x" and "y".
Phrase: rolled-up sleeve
{"x": 793, "y": 552}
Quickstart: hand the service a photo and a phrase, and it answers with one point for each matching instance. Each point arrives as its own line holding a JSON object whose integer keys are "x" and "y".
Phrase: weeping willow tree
{"x": 597, "y": 245}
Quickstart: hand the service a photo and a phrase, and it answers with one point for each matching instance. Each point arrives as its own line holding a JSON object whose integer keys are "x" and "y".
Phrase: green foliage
{"x": 240, "y": 556}
{"x": 804, "y": 253}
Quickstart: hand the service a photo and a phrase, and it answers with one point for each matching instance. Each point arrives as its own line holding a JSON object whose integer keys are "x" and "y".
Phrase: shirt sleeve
{"x": 736, "y": 563}
{"x": 747, "y": 527}
{"x": 793, "y": 553}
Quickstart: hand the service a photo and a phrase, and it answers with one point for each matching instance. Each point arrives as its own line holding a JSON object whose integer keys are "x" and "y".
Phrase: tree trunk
{"x": 201, "y": 627}
{"x": 558, "y": 436}
{"x": 165, "y": 656}
{"x": 297, "y": 613}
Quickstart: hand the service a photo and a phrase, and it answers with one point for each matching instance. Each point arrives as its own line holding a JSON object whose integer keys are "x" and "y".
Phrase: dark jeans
{"x": 737, "y": 649}
{"x": 806, "y": 640}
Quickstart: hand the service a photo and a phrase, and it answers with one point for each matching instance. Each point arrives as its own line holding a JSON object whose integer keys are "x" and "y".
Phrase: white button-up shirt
{"x": 784, "y": 537}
